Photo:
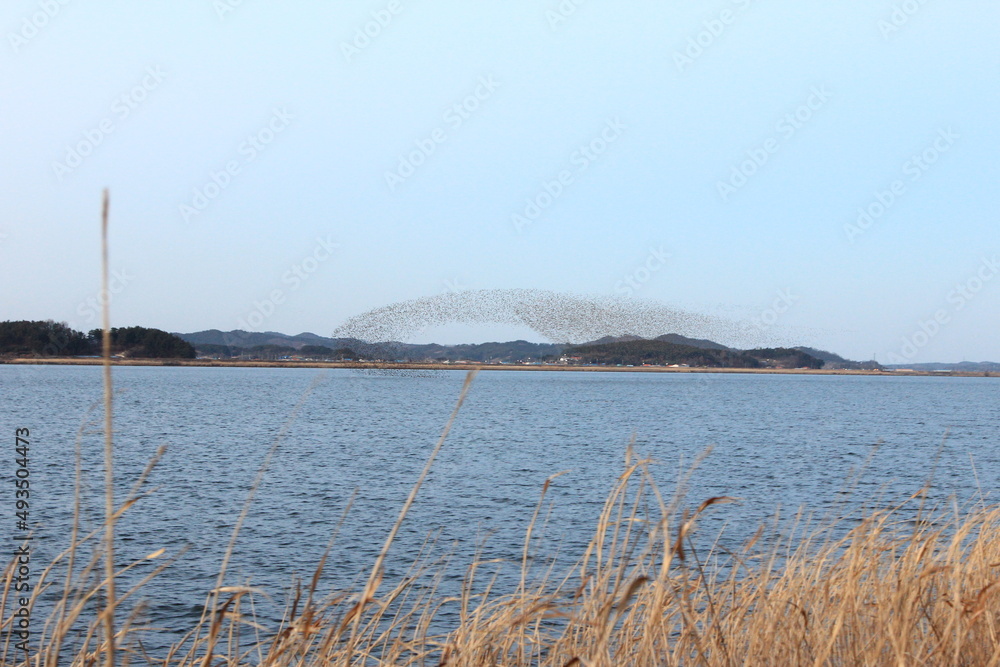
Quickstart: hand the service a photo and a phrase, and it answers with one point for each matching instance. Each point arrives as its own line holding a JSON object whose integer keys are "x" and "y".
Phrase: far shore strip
{"x": 386, "y": 365}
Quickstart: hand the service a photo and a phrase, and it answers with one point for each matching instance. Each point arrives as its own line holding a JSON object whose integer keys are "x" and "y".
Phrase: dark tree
{"x": 143, "y": 343}
{"x": 46, "y": 339}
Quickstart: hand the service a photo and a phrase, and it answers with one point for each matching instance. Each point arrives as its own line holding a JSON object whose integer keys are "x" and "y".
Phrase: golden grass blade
{"x": 109, "y": 478}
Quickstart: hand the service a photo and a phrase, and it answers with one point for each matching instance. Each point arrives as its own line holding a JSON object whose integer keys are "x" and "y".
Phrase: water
{"x": 785, "y": 440}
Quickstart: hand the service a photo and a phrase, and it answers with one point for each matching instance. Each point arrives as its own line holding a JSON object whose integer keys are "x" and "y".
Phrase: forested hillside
{"x": 53, "y": 339}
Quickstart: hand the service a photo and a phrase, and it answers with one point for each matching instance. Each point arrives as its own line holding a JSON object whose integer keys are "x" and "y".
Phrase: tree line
{"x": 54, "y": 339}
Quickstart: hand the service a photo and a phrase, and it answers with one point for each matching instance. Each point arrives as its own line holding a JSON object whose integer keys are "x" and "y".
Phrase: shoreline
{"x": 219, "y": 363}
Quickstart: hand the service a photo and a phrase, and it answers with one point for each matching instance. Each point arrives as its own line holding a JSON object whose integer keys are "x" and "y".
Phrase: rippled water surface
{"x": 779, "y": 440}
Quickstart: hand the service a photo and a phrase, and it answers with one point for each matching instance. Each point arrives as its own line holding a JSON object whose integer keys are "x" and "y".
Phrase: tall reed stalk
{"x": 109, "y": 477}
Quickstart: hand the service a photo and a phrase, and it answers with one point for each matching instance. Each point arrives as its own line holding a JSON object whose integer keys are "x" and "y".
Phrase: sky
{"x": 826, "y": 172}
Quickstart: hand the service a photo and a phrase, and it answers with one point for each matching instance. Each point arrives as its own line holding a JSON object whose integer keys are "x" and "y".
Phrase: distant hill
{"x": 693, "y": 342}
{"x": 660, "y": 352}
{"x": 613, "y": 339}
{"x": 836, "y": 361}
{"x": 271, "y": 344}
{"x": 821, "y": 354}
{"x": 674, "y": 338}
{"x": 784, "y": 357}
{"x": 239, "y": 338}
{"x": 671, "y": 348}
{"x": 517, "y": 350}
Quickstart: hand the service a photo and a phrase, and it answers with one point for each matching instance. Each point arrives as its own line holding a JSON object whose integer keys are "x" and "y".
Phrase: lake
{"x": 778, "y": 440}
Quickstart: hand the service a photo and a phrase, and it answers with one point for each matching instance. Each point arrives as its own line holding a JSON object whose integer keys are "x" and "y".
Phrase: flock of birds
{"x": 558, "y": 317}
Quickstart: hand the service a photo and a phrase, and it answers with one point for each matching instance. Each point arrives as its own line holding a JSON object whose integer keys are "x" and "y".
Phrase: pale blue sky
{"x": 310, "y": 118}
